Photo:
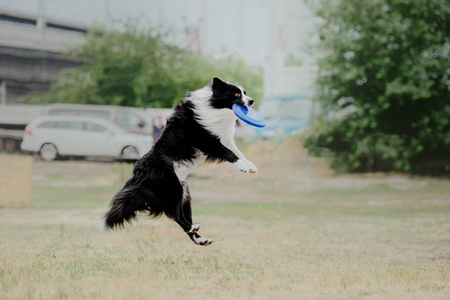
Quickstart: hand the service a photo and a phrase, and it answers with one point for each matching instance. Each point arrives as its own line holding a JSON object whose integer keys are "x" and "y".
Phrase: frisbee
{"x": 248, "y": 115}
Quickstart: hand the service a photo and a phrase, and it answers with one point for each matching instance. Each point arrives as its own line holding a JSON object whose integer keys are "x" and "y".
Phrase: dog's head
{"x": 225, "y": 94}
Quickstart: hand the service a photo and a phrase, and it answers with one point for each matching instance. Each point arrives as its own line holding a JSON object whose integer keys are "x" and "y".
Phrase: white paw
{"x": 195, "y": 228}
{"x": 203, "y": 241}
{"x": 253, "y": 168}
{"x": 242, "y": 165}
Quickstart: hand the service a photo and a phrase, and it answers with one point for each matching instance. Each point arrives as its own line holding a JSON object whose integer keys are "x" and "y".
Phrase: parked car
{"x": 14, "y": 118}
{"x": 57, "y": 136}
{"x": 131, "y": 119}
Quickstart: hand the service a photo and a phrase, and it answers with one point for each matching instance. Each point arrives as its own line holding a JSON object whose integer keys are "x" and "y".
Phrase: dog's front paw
{"x": 252, "y": 167}
{"x": 242, "y": 165}
{"x": 245, "y": 166}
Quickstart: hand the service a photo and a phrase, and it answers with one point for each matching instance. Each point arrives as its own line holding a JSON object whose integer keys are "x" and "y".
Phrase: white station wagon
{"x": 55, "y": 136}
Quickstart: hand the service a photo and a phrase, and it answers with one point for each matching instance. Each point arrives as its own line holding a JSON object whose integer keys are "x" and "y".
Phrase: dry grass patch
{"x": 335, "y": 237}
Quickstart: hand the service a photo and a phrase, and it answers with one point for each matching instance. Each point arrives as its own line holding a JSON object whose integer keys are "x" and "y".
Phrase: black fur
{"x": 154, "y": 187}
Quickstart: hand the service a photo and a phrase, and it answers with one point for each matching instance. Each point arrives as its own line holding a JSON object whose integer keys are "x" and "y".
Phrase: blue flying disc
{"x": 248, "y": 115}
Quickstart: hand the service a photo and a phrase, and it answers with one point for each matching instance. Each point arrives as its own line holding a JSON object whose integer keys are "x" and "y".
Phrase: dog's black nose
{"x": 250, "y": 102}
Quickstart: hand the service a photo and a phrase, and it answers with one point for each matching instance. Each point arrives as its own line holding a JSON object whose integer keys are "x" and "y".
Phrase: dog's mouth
{"x": 240, "y": 102}
{"x": 248, "y": 103}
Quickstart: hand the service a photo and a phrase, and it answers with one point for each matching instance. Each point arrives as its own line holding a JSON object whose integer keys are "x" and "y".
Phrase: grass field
{"x": 292, "y": 231}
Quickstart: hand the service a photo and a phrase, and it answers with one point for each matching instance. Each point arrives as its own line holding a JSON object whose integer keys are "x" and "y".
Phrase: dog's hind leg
{"x": 186, "y": 208}
{"x": 186, "y": 216}
{"x": 191, "y": 230}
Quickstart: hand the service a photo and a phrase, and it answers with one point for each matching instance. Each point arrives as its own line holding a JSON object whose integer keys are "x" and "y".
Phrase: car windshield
{"x": 127, "y": 119}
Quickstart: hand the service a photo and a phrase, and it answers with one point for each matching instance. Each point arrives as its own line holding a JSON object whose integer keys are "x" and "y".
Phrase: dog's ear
{"x": 219, "y": 85}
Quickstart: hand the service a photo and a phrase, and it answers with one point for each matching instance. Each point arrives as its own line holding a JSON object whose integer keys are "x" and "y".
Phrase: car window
{"x": 127, "y": 119}
{"x": 79, "y": 112}
{"x": 94, "y": 127}
{"x": 69, "y": 125}
{"x": 47, "y": 125}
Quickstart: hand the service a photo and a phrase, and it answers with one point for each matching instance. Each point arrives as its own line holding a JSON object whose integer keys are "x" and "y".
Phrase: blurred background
{"x": 351, "y": 198}
{"x": 366, "y": 84}
{"x": 147, "y": 54}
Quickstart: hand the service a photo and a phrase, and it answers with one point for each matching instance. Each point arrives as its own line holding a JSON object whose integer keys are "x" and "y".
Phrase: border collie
{"x": 200, "y": 129}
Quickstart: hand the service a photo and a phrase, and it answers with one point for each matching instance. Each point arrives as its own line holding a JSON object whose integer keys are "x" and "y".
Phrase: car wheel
{"x": 10, "y": 145}
{"x": 48, "y": 152}
{"x": 130, "y": 152}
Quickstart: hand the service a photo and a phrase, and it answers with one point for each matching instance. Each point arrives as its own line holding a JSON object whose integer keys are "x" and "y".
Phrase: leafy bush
{"x": 388, "y": 61}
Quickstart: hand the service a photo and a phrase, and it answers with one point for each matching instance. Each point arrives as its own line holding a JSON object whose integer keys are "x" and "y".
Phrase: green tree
{"x": 385, "y": 61}
{"x": 136, "y": 67}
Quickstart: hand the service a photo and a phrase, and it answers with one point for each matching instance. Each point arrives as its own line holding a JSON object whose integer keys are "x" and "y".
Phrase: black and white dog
{"x": 200, "y": 129}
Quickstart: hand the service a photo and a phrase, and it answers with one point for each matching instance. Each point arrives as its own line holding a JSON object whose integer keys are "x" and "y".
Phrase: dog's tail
{"x": 123, "y": 208}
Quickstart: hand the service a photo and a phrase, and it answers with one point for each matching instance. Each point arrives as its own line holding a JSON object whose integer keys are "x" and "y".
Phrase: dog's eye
{"x": 237, "y": 94}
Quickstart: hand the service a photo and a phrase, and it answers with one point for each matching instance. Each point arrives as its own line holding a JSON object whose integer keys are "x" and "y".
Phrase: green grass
{"x": 383, "y": 189}
{"x": 65, "y": 197}
{"x": 285, "y": 211}
{"x": 273, "y": 239}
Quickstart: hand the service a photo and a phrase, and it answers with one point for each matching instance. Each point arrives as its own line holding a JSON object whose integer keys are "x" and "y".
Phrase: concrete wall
{"x": 16, "y": 181}
{"x": 32, "y": 53}
{"x": 27, "y": 70}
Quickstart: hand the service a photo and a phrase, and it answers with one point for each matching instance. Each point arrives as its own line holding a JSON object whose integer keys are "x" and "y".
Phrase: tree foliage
{"x": 386, "y": 61}
{"x": 136, "y": 67}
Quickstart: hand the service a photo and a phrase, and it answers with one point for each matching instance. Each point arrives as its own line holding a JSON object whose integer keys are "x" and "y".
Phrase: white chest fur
{"x": 220, "y": 122}
{"x": 185, "y": 167}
